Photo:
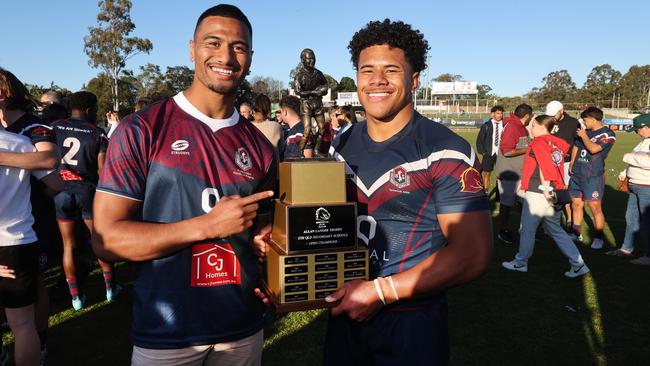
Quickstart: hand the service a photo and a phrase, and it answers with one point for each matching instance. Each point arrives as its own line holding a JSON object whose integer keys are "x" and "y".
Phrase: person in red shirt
{"x": 510, "y": 159}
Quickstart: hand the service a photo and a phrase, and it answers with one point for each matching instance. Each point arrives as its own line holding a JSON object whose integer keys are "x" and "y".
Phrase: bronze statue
{"x": 310, "y": 85}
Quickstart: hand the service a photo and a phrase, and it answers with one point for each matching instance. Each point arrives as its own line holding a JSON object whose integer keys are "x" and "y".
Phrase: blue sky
{"x": 509, "y": 45}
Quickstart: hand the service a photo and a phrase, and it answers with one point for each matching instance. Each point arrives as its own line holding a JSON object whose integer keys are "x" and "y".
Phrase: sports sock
{"x": 72, "y": 284}
{"x": 599, "y": 234}
{"x": 108, "y": 279}
{"x": 577, "y": 229}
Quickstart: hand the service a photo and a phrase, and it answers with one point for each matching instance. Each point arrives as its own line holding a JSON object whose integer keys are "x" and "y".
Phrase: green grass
{"x": 503, "y": 318}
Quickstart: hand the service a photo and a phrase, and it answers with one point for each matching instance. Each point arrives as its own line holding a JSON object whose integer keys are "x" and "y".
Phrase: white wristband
{"x": 378, "y": 289}
{"x": 392, "y": 285}
{"x": 545, "y": 188}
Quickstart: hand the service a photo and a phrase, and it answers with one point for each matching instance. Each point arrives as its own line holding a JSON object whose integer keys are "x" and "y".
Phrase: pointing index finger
{"x": 255, "y": 197}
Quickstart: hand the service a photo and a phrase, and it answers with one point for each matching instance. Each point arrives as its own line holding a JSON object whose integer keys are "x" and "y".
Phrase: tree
{"x": 37, "y": 90}
{"x": 635, "y": 86}
{"x": 333, "y": 85}
{"x": 558, "y": 85}
{"x": 178, "y": 78}
{"x": 101, "y": 86}
{"x": 108, "y": 46}
{"x": 150, "y": 81}
{"x": 483, "y": 91}
{"x": 447, "y": 77}
{"x": 273, "y": 88}
{"x": 292, "y": 74}
{"x": 347, "y": 85}
{"x": 601, "y": 84}
{"x": 244, "y": 93}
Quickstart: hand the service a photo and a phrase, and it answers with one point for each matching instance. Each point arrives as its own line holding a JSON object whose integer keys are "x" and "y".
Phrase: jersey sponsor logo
{"x": 399, "y": 177}
{"x": 366, "y": 228}
{"x": 69, "y": 175}
{"x": 214, "y": 265}
{"x": 179, "y": 147}
{"x": 243, "y": 160}
{"x": 470, "y": 181}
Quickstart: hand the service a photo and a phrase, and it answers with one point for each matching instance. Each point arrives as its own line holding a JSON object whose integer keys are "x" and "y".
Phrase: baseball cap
{"x": 553, "y": 107}
{"x": 640, "y": 121}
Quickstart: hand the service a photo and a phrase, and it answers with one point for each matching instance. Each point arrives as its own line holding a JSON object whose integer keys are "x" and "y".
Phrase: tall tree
{"x": 601, "y": 84}
{"x": 483, "y": 91}
{"x": 178, "y": 78}
{"x": 558, "y": 85}
{"x": 244, "y": 93}
{"x": 347, "y": 84}
{"x": 333, "y": 85}
{"x": 273, "y": 88}
{"x": 109, "y": 46}
{"x": 100, "y": 85}
{"x": 635, "y": 86}
{"x": 150, "y": 80}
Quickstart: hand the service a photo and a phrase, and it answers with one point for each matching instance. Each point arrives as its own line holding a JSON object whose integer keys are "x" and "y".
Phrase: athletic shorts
{"x": 509, "y": 190}
{"x": 588, "y": 189}
{"x": 20, "y": 291}
{"x": 73, "y": 200}
{"x": 408, "y": 334}
{"x": 488, "y": 162}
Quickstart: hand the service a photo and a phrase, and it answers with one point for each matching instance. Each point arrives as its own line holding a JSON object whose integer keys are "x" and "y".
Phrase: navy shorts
{"x": 408, "y": 334}
{"x": 20, "y": 291}
{"x": 75, "y": 199}
{"x": 488, "y": 162}
{"x": 587, "y": 189}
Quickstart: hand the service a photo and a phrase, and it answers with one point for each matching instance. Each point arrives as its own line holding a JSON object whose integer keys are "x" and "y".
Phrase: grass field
{"x": 504, "y": 318}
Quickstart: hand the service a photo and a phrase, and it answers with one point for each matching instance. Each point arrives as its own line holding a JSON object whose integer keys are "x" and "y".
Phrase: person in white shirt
{"x": 636, "y": 180}
{"x": 19, "y": 249}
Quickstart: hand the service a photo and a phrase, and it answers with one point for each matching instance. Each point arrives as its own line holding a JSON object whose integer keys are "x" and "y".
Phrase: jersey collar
{"x": 215, "y": 124}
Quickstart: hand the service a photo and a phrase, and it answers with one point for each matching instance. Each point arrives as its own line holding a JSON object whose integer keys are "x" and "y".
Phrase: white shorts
{"x": 243, "y": 352}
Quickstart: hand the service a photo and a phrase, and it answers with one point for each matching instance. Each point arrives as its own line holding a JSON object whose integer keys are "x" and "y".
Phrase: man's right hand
{"x": 233, "y": 214}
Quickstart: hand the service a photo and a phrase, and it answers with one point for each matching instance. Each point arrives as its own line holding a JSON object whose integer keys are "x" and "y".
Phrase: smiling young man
{"x": 179, "y": 194}
{"x": 419, "y": 188}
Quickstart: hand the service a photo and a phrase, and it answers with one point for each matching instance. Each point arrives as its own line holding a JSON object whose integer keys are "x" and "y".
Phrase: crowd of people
{"x": 196, "y": 173}
{"x": 554, "y": 164}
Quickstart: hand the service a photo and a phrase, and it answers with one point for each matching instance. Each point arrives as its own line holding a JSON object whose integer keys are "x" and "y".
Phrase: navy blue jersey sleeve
{"x": 457, "y": 181}
{"x": 606, "y": 140}
{"x": 126, "y": 165}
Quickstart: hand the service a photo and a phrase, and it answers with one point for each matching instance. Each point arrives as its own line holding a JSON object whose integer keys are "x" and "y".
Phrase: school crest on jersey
{"x": 399, "y": 177}
{"x": 470, "y": 181}
{"x": 243, "y": 160}
{"x": 557, "y": 157}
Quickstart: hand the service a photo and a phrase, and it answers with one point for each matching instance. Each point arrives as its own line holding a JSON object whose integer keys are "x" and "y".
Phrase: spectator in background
{"x": 636, "y": 180}
{"x": 510, "y": 159}
{"x": 587, "y": 170}
{"x": 246, "y": 111}
{"x": 487, "y": 143}
{"x": 51, "y": 97}
{"x": 290, "y": 114}
{"x": 113, "y": 120}
{"x": 54, "y": 112}
{"x": 261, "y": 109}
{"x": 542, "y": 174}
{"x": 566, "y": 129}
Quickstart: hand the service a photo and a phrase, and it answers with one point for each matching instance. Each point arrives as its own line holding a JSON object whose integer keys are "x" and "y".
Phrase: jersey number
{"x": 209, "y": 198}
{"x": 74, "y": 145}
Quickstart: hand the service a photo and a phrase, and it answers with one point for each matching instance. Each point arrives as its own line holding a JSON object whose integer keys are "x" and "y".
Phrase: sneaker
{"x": 597, "y": 244}
{"x": 643, "y": 261}
{"x": 620, "y": 252}
{"x": 514, "y": 266}
{"x": 78, "y": 302}
{"x": 577, "y": 271}
{"x": 113, "y": 293}
{"x": 575, "y": 237}
{"x": 505, "y": 236}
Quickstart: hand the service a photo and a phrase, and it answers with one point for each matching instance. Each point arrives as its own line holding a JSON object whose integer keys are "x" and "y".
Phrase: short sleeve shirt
{"x": 178, "y": 162}
{"x": 402, "y": 184}
{"x": 293, "y": 140}
{"x": 593, "y": 165}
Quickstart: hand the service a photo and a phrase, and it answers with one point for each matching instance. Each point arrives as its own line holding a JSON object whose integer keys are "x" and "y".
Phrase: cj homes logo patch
{"x": 243, "y": 159}
{"x": 399, "y": 177}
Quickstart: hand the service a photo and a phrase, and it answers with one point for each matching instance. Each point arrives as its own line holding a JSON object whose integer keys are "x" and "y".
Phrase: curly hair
{"x": 395, "y": 34}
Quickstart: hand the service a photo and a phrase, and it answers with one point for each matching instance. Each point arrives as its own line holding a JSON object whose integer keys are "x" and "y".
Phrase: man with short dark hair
{"x": 418, "y": 188}
{"x": 179, "y": 196}
{"x": 82, "y": 148}
{"x": 510, "y": 160}
{"x": 290, "y": 114}
{"x": 487, "y": 142}
{"x": 587, "y": 169}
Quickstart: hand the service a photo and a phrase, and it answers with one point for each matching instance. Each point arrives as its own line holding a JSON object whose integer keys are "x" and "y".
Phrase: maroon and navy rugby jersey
{"x": 292, "y": 142}
{"x": 178, "y": 163}
{"x": 593, "y": 165}
{"x": 79, "y": 144}
{"x": 401, "y": 184}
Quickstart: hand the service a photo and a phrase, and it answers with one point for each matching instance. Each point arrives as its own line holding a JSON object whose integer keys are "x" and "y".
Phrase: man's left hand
{"x": 582, "y": 133}
{"x": 358, "y": 299}
{"x": 261, "y": 241}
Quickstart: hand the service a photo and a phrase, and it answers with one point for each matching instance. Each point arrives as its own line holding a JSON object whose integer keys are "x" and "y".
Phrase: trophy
{"x": 314, "y": 247}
